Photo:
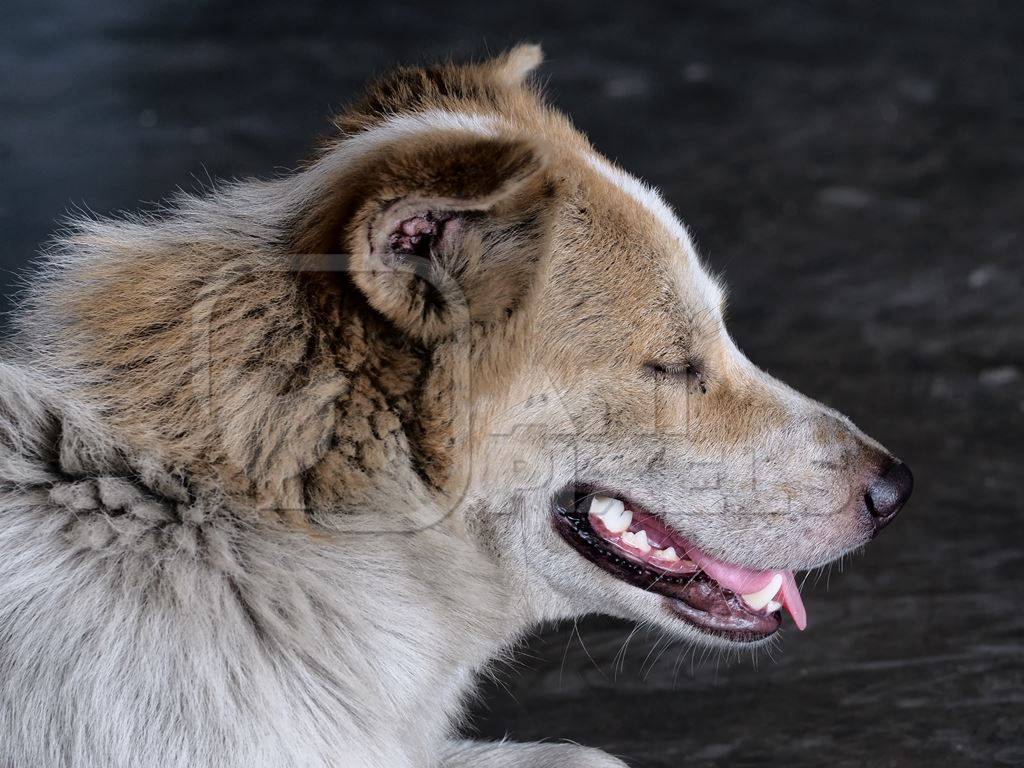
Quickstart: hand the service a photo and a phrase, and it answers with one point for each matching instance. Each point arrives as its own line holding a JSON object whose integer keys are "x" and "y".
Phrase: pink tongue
{"x": 743, "y": 581}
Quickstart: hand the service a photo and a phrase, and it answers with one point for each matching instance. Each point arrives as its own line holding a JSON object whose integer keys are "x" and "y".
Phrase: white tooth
{"x": 599, "y": 506}
{"x": 668, "y": 553}
{"x": 758, "y": 600}
{"x": 614, "y": 506}
{"x": 641, "y": 541}
{"x": 617, "y": 519}
{"x": 636, "y": 540}
{"x": 773, "y": 606}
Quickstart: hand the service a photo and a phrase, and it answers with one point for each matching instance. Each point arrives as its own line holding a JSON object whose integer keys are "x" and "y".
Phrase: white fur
{"x": 144, "y": 624}
{"x": 642, "y": 193}
{"x": 692, "y": 274}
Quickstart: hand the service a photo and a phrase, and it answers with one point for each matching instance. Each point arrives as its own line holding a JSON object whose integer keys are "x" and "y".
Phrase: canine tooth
{"x": 773, "y": 606}
{"x": 761, "y": 598}
{"x": 611, "y": 513}
{"x": 668, "y": 553}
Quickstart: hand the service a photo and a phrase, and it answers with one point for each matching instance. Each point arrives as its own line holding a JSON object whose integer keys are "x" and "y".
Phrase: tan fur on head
{"x": 498, "y": 85}
{"x": 514, "y": 67}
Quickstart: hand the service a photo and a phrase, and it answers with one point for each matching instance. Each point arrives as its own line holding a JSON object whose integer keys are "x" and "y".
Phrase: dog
{"x": 284, "y": 466}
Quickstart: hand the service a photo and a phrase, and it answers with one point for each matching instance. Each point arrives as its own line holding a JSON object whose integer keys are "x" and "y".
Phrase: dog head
{"x": 591, "y": 418}
{"x": 459, "y": 303}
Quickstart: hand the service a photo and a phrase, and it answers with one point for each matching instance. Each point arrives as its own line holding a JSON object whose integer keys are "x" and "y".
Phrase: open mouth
{"x": 729, "y": 601}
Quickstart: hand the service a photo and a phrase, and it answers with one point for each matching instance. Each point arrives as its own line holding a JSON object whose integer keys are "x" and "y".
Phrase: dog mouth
{"x": 636, "y": 546}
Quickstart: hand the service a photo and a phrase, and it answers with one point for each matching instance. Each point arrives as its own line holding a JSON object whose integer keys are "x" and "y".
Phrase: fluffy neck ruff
{"x": 202, "y": 346}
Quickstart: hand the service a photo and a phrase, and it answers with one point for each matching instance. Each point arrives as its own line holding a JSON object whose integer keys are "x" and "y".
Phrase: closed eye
{"x": 689, "y": 373}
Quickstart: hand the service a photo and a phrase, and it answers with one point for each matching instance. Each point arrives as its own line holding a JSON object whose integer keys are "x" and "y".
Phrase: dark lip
{"x": 696, "y": 599}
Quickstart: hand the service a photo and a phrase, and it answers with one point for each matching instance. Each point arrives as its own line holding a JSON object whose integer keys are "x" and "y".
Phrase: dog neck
{"x": 283, "y": 388}
{"x": 286, "y": 393}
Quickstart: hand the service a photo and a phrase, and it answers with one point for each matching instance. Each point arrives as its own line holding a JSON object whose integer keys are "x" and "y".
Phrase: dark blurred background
{"x": 855, "y": 169}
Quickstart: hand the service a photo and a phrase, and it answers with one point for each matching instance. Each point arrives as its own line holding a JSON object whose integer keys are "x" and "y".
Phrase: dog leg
{"x": 506, "y": 754}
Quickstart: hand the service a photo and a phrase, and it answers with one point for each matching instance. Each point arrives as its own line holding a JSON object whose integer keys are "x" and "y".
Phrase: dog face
{"x": 587, "y": 413}
{"x": 591, "y": 420}
{"x": 637, "y": 402}
{"x": 461, "y": 305}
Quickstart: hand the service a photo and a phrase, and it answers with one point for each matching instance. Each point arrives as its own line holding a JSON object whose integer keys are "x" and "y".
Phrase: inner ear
{"x": 445, "y": 223}
{"x": 415, "y": 252}
{"x": 421, "y": 235}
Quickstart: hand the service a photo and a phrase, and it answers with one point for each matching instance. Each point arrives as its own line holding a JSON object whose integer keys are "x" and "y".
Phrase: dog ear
{"x": 478, "y": 88}
{"x": 513, "y": 67}
{"x": 445, "y": 229}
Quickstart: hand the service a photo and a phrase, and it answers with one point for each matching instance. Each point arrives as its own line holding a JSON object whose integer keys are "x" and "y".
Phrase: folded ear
{"x": 463, "y": 88}
{"x": 514, "y": 66}
{"x": 447, "y": 228}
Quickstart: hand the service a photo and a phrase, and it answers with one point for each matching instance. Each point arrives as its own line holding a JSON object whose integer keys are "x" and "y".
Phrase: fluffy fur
{"x": 276, "y": 463}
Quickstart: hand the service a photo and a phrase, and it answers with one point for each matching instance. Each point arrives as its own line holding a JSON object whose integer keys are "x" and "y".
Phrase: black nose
{"x": 889, "y": 492}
